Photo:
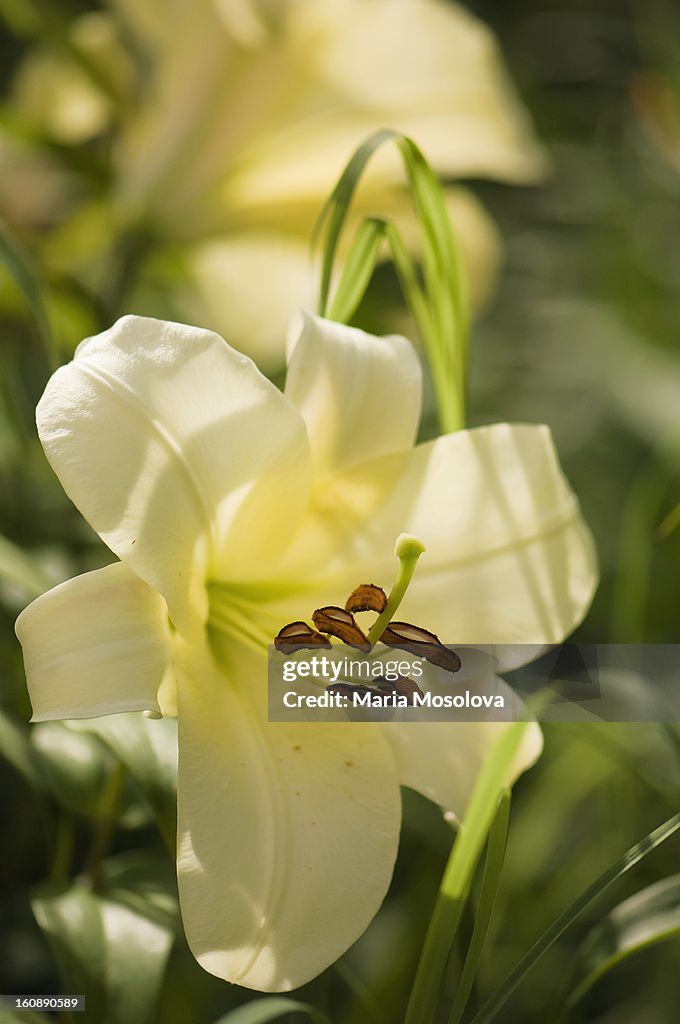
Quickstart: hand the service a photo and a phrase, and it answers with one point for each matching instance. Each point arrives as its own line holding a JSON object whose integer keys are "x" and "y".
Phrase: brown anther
{"x": 366, "y": 598}
{"x": 298, "y": 636}
{"x": 402, "y": 685}
{"x": 422, "y": 642}
{"x": 337, "y": 622}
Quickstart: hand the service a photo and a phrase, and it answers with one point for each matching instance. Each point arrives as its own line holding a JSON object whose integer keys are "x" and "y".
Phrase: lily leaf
{"x": 493, "y": 866}
{"x": 440, "y": 305}
{"x": 633, "y": 856}
{"x": 74, "y": 766}
{"x": 111, "y": 945}
{"x": 645, "y": 919}
{"x": 148, "y": 750}
{"x": 146, "y": 883}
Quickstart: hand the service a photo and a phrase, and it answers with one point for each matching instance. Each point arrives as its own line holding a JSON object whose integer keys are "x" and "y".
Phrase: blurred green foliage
{"x": 583, "y": 335}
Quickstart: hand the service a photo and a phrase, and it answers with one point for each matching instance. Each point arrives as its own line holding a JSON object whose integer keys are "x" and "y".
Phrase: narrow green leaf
{"x": 440, "y": 308}
{"x": 19, "y": 267}
{"x": 645, "y": 919}
{"x": 458, "y": 874}
{"x": 636, "y": 853}
{"x": 337, "y": 206}
{"x": 414, "y": 293}
{"x": 18, "y": 568}
{"x": 261, "y": 1011}
{"x": 493, "y": 866}
{"x": 358, "y": 269}
{"x": 148, "y": 750}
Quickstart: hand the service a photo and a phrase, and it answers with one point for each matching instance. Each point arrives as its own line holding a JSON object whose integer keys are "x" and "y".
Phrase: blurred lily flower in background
{"x": 175, "y": 448}
{"x": 201, "y": 143}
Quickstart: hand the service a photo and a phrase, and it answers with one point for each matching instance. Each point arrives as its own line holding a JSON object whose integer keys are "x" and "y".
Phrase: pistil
{"x": 408, "y": 550}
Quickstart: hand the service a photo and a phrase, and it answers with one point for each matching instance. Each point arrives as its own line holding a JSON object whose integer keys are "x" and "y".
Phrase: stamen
{"x": 298, "y": 636}
{"x": 341, "y": 624}
{"x": 416, "y": 640}
{"x": 408, "y": 550}
{"x": 366, "y": 598}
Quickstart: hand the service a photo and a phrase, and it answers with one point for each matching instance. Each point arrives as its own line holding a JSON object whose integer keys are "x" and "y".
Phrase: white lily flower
{"x": 255, "y": 106}
{"x": 233, "y": 509}
{"x": 242, "y": 112}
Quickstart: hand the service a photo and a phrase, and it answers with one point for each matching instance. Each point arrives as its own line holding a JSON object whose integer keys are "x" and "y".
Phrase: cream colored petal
{"x": 437, "y": 75}
{"x": 287, "y": 833}
{"x": 437, "y": 70}
{"x": 98, "y": 644}
{"x": 359, "y": 395}
{"x": 508, "y": 557}
{"x": 442, "y": 760}
{"x": 174, "y": 447}
{"x": 247, "y": 286}
{"x": 264, "y": 103}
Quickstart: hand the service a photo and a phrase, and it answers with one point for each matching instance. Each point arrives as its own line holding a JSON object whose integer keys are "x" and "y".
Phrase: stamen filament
{"x": 408, "y": 550}
{"x": 228, "y": 620}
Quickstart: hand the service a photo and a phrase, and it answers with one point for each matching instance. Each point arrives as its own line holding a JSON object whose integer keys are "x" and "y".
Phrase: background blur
{"x": 582, "y": 334}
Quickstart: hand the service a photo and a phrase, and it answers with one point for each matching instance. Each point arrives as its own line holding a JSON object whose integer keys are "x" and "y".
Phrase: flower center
{"x": 244, "y": 612}
{"x": 333, "y": 621}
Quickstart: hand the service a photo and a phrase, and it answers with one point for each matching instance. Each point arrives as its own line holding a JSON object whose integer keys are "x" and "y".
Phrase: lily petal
{"x": 439, "y": 71}
{"x": 96, "y": 645}
{"x": 224, "y": 289}
{"x": 508, "y": 557}
{"x": 174, "y": 446}
{"x": 437, "y": 75}
{"x": 442, "y": 760}
{"x": 287, "y": 833}
{"x": 359, "y": 395}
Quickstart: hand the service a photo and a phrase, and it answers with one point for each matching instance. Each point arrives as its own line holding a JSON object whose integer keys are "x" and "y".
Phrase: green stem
{"x": 467, "y": 848}
{"x": 493, "y": 864}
